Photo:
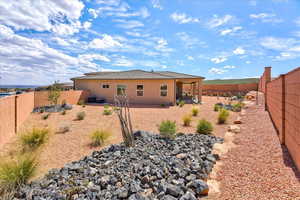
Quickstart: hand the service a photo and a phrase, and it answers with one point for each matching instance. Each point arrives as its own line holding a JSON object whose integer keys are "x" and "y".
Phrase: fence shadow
{"x": 288, "y": 161}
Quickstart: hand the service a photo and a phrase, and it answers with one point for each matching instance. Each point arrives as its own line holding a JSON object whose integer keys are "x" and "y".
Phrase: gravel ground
{"x": 258, "y": 167}
{"x": 75, "y": 144}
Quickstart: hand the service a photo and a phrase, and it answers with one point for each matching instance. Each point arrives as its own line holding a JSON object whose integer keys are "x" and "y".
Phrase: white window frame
{"x": 138, "y": 90}
{"x": 160, "y": 90}
{"x": 117, "y": 86}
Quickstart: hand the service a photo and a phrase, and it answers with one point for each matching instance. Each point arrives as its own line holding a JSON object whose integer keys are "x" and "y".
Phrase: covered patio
{"x": 189, "y": 90}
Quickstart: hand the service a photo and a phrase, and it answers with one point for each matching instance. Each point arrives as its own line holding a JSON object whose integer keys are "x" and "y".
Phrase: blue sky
{"x": 44, "y": 41}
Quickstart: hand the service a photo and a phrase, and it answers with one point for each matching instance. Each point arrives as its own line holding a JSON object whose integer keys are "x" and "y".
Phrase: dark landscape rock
{"x": 156, "y": 168}
{"x": 53, "y": 108}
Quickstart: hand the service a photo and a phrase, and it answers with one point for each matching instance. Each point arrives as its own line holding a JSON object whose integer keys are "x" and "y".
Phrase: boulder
{"x": 234, "y": 129}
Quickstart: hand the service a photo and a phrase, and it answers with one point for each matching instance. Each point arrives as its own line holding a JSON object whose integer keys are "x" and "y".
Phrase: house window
{"x": 164, "y": 90}
{"x": 121, "y": 89}
{"x": 140, "y": 90}
{"x": 105, "y": 86}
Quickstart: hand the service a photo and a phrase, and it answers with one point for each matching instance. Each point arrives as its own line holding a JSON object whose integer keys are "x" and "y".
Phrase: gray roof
{"x": 135, "y": 75}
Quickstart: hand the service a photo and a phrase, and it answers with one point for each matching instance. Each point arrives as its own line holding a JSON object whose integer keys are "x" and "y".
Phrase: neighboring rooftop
{"x": 230, "y": 81}
{"x": 135, "y": 74}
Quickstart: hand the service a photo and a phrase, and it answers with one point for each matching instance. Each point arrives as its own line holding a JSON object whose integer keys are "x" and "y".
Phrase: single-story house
{"x": 141, "y": 87}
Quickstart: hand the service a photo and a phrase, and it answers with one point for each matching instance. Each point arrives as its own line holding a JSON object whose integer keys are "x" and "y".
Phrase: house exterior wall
{"x": 151, "y": 90}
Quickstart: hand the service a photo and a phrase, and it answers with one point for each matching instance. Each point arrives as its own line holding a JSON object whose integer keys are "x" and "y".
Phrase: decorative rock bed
{"x": 53, "y": 108}
{"x": 156, "y": 168}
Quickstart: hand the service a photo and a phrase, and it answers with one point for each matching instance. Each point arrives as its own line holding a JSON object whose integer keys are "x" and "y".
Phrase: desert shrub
{"x": 63, "y": 128}
{"x": 54, "y": 93}
{"x": 217, "y": 107}
{"x": 195, "y": 111}
{"x": 204, "y": 127}
{"x": 45, "y": 116}
{"x": 181, "y": 103}
{"x": 34, "y": 138}
{"x": 81, "y": 102}
{"x": 64, "y": 112}
{"x": 98, "y": 137}
{"x": 80, "y": 115}
{"x": 162, "y": 105}
{"x": 237, "y": 107}
{"x": 167, "y": 129}
{"x": 107, "y": 110}
{"x": 14, "y": 173}
{"x": 223, "y": 115}
{"x": 42, "y": 110}
{"x": 187, "y": 119}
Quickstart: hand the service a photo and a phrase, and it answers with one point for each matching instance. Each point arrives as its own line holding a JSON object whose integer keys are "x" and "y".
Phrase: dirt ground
{"x": 257, "y": 166}
{"x": 75, "y": 144}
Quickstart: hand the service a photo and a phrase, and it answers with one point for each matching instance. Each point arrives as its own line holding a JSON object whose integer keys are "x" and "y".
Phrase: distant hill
{"x": 230, "y": 81}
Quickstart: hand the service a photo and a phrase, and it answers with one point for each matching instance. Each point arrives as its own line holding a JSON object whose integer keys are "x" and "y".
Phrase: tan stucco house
{"x": 141, "y": 87}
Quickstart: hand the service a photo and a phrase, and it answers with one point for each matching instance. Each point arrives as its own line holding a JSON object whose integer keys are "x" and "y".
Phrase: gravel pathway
{"x": 258, "y": 168}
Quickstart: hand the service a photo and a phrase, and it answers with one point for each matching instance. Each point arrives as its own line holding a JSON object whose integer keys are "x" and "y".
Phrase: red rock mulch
{"x": 258, "y": 168}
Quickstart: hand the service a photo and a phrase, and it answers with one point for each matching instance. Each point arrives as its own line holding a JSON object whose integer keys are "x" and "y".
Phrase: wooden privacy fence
{"x": 14, "y": 110}
{"x": 282, "y": 101}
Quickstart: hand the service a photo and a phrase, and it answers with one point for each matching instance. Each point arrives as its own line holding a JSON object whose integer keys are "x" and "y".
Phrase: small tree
{"x": 122, "y": 110}
{"x": 54, "y": 93}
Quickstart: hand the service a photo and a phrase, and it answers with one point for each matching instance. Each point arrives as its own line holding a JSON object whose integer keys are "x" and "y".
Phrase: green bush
{"x": 42, "y": 110}
{"x": 34, "y": 138}
{"x": 217, "y": 107}
{"x": 237, "y": 107}
{"x": 167, "y": 129}
{"x": 80, "y": 115}
{"x": 181, "y": 103}
{"x": 14, "y": 173}
{"x": 99, "y": 137}
{"x": 195, "y": 111}
{"x": 46, "y": 116}
{"x": 204, "y": 127}
{"x": 223, "y": 115}
{"x": 107, "y": 110}
{"x": 162, "y": 105}
{"x": 187, "y": 119}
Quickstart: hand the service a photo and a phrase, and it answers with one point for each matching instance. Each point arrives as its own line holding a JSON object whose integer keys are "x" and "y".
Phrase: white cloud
{"x": 129, "y": 24}
{"x": 42, "y": 15}
{"x": 123, "y": 62}
{"x": 214, "y": 70}
{"x": 231, "y": 30}
{"x": 87, "y": 25}
{"x": 60, "y": 41}
{"x": 182, "y": 18}
{"x": 219, "y": 59}
{"x": 279, "y": 44}
{"x": 229, "y": 67}
{"x": 35, "y": 62}
{"x": 239, "y": 51}
{"x": 190, "y": 58}
{"x": 190, "y": 41}
{"x": 266, "y": 17}
{"x": 296, "y": 33}
{"x": 106, "y": 42}
{"x": 248, "y": 62}
{"x": 92, "y": 57}
{"x": 156, "y": 4}
{"x": 162, "y": 45}
{"x": 93, "y": 12}
{"x": 217, "y": 21}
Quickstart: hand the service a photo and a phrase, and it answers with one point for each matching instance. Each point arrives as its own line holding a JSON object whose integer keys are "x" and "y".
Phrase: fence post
{"x": 16, "y": 113}
{"x": 283, "y": 109}
{"x": 266, "y": 96}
